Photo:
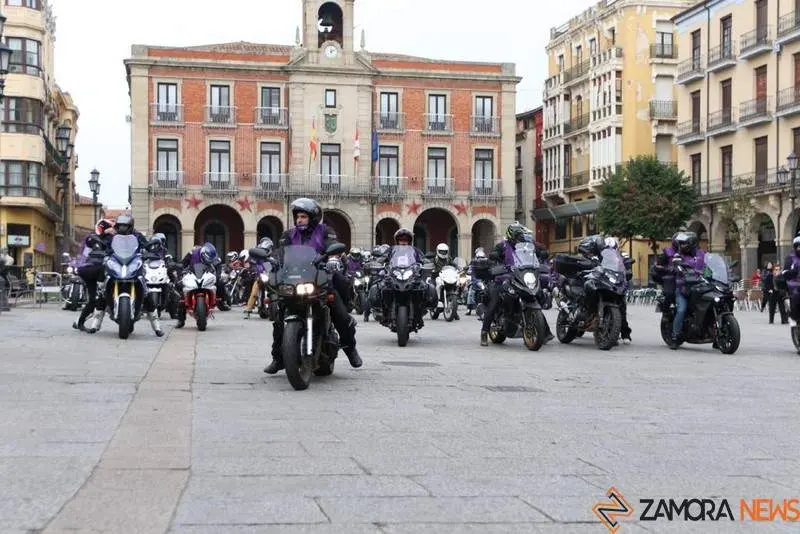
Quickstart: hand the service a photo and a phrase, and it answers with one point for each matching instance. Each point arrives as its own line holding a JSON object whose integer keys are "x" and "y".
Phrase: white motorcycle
{"x": 200, "y": 293}
{"x": 447, "y": 289}
{"x": 155, "y": 274}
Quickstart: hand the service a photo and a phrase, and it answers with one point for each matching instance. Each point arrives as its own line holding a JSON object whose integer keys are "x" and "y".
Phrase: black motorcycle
{"x": 521, "y": 301}
{"x": 405, "y": 293}
{"x": 304, "y": 293}
{"x": 358, "y": 298}
{"x": 592, "y": 295}
{"x": 709, "y": 315}
{"x": 73, "y": 290}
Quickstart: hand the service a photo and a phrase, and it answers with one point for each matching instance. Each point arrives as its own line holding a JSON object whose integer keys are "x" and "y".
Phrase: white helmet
{"x": 442, "y": 250}
{"x": 611, "y": 242}
{"x": 479, "y": 252}
{"x": 244, "y": 255}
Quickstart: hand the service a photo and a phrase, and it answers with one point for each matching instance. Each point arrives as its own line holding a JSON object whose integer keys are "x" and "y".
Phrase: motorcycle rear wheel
{"x": 298, "y": 368}
{"x": 666, "y": 330}
{"x": 564, "y": 333}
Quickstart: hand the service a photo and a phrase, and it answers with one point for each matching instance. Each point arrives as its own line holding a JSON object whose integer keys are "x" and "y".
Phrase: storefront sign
{"x": 19, "y": 241}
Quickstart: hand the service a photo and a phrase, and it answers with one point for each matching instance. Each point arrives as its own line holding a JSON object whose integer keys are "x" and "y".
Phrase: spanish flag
{"x": 313, "y": 143}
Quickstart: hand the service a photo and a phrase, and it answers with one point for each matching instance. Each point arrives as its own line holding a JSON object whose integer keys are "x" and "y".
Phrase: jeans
{"x": 493, "y": 289}
{"x": 681, "y": 305}
{"x": 471, "y": 294}
{"x": 91, "y": 275}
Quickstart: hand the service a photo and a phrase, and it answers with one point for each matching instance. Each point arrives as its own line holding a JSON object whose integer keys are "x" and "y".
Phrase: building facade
{"x": 528, "y": 171}
{"x": 609, "y": 97}
{"x": 32, "y": 196}
{"x": 739, "y": 120}
{"x": 226, "y": 136}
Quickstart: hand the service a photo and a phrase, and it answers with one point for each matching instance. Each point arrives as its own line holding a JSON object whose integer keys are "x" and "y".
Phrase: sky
{"x": 93, "y": 37}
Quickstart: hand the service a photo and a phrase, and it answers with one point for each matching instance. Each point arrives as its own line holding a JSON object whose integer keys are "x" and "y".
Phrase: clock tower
{"x": 328, "y": 28}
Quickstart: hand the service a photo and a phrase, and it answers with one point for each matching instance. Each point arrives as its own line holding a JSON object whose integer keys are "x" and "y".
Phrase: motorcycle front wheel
{"x": 124, "y": 319}
{"x": 607, "y": 332}
{"x": 795, "y": 338}
{"x": 728, "y": 335}
{"x": 201, "y": 312}
{"x": 564, "y": 333}
{"x": 402, "y": 326}
{"x": 450, "y": 308}
{"x": 298, "y": 368}
{"x": 533, "y": 334}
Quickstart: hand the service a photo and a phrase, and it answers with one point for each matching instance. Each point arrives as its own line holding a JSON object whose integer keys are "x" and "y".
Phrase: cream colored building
{"x": 609, "y": 96}
{"x": 32, "y": 197}
{"x": 739, "y": 119}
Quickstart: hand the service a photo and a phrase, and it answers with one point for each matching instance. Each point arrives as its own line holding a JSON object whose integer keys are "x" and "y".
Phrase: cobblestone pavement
{"x": 186, "y": 434}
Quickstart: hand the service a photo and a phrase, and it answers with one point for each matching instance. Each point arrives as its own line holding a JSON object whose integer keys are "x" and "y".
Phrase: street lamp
{"x": 94, "y": 185}
{"x": 65, "y": 148}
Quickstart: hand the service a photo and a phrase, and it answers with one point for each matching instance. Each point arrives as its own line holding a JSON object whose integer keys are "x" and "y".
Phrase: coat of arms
{"x": 331, "y": 121}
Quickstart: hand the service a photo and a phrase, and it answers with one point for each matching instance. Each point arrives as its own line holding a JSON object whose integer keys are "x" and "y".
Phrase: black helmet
{"x": 310, "y": 208}
{"x": 591, "y": 245}
{"x": 686, "y": 242}
{"x": 796, "y": 244}
{"x": 404, "y": 232}
{"x": 516, "y": 232}
{"x": 124, "y": 225}
{"x": 380, "y": 251}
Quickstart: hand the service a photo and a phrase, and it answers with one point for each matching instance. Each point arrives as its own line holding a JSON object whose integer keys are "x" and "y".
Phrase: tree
{"x": 646, "y": 198}
{"x": 737, "y": 211}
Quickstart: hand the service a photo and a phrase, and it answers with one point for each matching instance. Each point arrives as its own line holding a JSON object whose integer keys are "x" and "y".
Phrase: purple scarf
{"x": 194, "y": 258}
{"x": 315, "y": 240}
{"x": 354, "y": 265}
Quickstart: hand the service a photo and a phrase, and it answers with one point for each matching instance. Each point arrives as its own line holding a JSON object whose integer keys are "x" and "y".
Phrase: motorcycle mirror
{"x": 335, "y": 248}
{"x": 258, "y": 254}
{"x": 430, "y": 255}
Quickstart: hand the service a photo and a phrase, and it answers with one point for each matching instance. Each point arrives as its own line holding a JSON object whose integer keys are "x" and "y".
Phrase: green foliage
{"x": 645, "y": 198}
{"x": 737, "y": 211}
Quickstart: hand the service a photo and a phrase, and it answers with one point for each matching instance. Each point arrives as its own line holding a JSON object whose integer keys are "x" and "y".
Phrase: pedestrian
{"x": 766, "y": 273}
{"x": 778, "y": 295}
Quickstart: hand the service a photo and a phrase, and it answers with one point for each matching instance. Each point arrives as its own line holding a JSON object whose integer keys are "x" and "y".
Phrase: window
{"x": 388, "y": 162}
{"x": 219, "y": 165}
{"x": 518, "y": 156}
{"x": 592, "y": 46}
{"x": 697, "y": 170}
{"x": 270, "y": 112}
{"x": 215, "y": 234}
{"x": 167, "y": 162}
{"x": 220, "y": 110}
{"x": 18, "y": 177}
{"x": 727, "y": 167}
{"x": 270, "y": 166}
{"x": 33, "y": 4}
{"x": 330, "y": 166}
{"x": 484, "y": 110}
{"x": 561, "y": 63}
{"x": 270, "y": 97}
{"x": 330, "y": 98}
{"x": 437, "y": 112}
{"x": 725, "y": 92}
{"x": 613, "y": 33}
{"x": 796, "y": 140}
{"x": 167, "y": 103}
{"x": 761, "y": 20}
{"x": 695, "y": 111}
{"x": 577, "y": 226}
{"x": 484, "y": 170}
{"x": 22, "y": 115}
{"x": 664, "y": 45}
{"x": 761, "y": 160}
{"x": 696, "y": 49}
{"x": 726, "y": 36}
{"x": 561, "y": 228}
{"x": 389, "y": 117}
{"x": 437, "y": 168}
{"x": 578, "y": 55}
{"x": 25, "y": 56}
{"x": 591, "y": 224}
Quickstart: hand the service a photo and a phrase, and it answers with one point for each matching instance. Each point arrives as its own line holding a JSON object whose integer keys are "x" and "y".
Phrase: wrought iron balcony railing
{"x": 272, "y": 117}
{"x": 166, "y": 112}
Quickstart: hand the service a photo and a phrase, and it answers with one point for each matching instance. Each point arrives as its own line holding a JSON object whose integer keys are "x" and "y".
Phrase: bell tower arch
{"x": 326, "y": 21}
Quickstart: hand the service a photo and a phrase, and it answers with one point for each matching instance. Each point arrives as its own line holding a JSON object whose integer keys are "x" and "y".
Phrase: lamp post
{"x": 5, "y": 57}
{"x": 94, "y": 185}
{"x": 65, "y": 148}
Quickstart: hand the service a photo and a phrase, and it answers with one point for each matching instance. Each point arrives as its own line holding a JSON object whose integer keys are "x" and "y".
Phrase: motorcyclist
{"x": 311, "y": 231}
{"x": 6, "y": 261}
{"x": 613, "y": 244}
{"x": 440, "y": 260}
{"x": 355, "y": 260}
{"x": 478, "y": 271}
{"x": 791, "y": 268}
{"x": 205, "y": 254}
{"x": 157, "y": 246}
{"x": 91, "y": 268}
{"x": 685, "y": 250}
{"x": 258, "y": 267}
{"x": 124, "y": 225}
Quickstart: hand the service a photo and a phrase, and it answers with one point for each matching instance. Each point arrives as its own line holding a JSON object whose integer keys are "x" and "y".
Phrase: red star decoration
{"x": 414, "y": 208}
{"x": 244, "y": 204}
{"x": 193, "y": 202}
{"x": 460, "y": 208}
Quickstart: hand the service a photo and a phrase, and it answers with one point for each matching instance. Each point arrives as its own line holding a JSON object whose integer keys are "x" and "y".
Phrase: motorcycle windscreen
{"x": 403, "y": 257}
{"x": 716, "y": 268}
{"x": 525, "y": 256}
{"x": 124, "y": 247}
{"x": 199, "y": 269}
{"x": 612, "y": 261}
{"x": 297, "y": 264}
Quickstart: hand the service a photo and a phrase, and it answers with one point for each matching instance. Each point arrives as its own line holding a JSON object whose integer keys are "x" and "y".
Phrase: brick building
{"x": 225, "y": 136}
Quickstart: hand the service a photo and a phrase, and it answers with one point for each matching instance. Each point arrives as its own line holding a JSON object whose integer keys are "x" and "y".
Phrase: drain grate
{"x": 411, "y": 364}
{"x": 513, "y": 389}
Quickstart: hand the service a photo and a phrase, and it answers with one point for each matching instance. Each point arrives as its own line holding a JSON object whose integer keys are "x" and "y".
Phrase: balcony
{"x": 722, "y": 56}
{"x": 690, "y": 131}
{"x": 438, "y": 123}
{"x": 389, "y": 188}
{"x": 552, "y": 187}
{"x": 756, "y": 42}
{"x": 755, "y": 112}
{"x": 720, "y": 122}
{"x": 576, "y": 72}
{"x": 552, "y": 84}
{"x": 788, "y": 102}
{"x": 221, "y": 184}
{"x": 166, "y": 112}
{"x": 330, "y": 186}
{"x": 751, "y": 183}
{"x": 576, "y": 180}
{"x": 663, "y": 110}
{"x": 53, "y": 156}
{"x": 690, "y": 70}
{"x": 486, "y": 191}
{"x": 221, "y": 116}
{"x": 438, "y": 189}
{"x": 166, "y": 182}
{"x": 270, "y": 185}
{"x": 390, "y": 121}
{"x": 481, "y": 125}
{"x": 788, "y": 28}
{"x": 607, "y": 56}
{"x": 19, "y": 195}
{"x": 663, "y": 51}
{"x": 575, "y": 125}
{"x": 272, "y": 118}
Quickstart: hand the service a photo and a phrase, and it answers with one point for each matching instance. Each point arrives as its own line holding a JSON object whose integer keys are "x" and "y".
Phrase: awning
{"x": 565, "y": 210}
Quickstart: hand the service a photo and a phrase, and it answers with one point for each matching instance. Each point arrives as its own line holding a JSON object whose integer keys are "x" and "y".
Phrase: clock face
{"x": 331, "y": 51}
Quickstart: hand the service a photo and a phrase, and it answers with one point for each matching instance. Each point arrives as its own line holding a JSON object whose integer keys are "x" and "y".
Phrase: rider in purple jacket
{"x": 685, "y": 250}
{"x": 791, "y": 268}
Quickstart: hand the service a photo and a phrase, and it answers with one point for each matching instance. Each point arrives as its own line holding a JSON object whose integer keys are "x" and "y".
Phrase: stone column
{"x": 187, "y": 241}
{"x": 250, "y": 239}
{"x": 749, "y": 261}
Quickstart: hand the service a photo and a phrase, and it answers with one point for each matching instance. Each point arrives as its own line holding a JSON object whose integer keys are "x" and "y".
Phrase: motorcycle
{"x": 591, "y": 298}
{"x": 125, "y": 289}
{"x": 360, "y": 283}
{"x": 200, "y": 293}
{"x": 304, "y": 292}
{"x": 74, "y": 290}
{"x": 447, "y": 290}
{"x": 405, "y": 293}
{"x": 709, "y": 314}
{"x": 521, "y": 301}
{"x": 155, "y": 274}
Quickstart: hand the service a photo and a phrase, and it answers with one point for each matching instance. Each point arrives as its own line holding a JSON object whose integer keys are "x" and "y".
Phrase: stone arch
{"x": 171, "y": 227}
{"x": 484, "y": 233}
{"x": 269, "y": 226}
{"x": 791, "y": 226}
{"x": 434, "y": 226}
{"x": 222, "y": 225}
{"x": 385, "y": 230}
{"x": 341, "y": 224}
{"x": 763, "y": 229}
{"x": 331, "y": 12}
{"x": 699, "y": 228}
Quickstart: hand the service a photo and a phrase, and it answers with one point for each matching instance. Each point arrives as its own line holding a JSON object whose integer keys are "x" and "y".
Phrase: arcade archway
{"x": 222, "y": 226}
{"x": 170, "y": 226}
{"x": 338, "y": 223}
{"x": 385, "y": 230}
{"x": 434, "y": 226}
{"x": 269, "y": 226}
{"x": 483, "y": 235}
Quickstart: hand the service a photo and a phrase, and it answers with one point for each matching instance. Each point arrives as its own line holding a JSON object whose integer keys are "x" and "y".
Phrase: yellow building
{"x": 738, "y": 121}
{"x": 32, "y": 200}
{"x": 609, "y": 97}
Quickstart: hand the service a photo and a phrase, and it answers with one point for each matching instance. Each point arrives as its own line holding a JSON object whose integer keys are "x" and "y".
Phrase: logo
{"x": 330, "y": 122}
{"x": 608, "y": 511}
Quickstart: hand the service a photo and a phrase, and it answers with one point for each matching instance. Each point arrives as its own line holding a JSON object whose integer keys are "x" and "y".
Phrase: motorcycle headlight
{"x": 70, "y": 270}
{"x": 356, "y": 282}
{"x": 530, "y": 280}
{"x": 264, "y": 278}
{"x": 613, "y": 279}
{"x": 305, "y": 289}
{"x": 406, "y": 274}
